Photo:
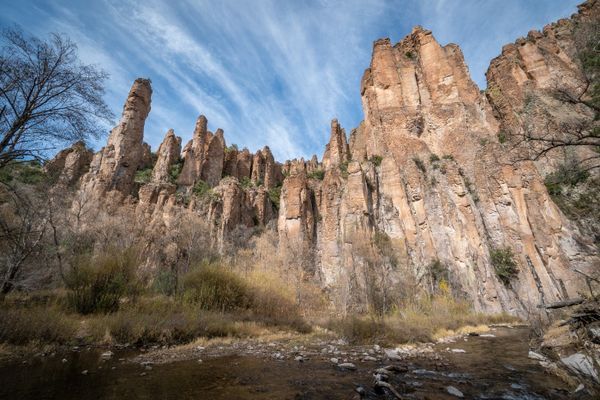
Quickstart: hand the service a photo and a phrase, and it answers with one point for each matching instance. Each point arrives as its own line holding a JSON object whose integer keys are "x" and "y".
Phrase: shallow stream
{"x": 489, "y": 368}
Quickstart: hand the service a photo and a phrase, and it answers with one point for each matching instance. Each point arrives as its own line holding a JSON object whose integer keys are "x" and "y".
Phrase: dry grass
{"x": 424, "y": 320}
{"x": 42, "y": 324}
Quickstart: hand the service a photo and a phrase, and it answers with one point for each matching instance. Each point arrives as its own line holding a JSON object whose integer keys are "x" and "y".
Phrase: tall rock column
{"x": 168, "y": 154}
{"x": 194, "y": 154}
{"x": 114, "y": 167}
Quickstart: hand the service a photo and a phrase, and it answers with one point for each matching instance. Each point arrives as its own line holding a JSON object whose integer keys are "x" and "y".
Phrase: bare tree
{"x": 47, "y": 96}
{"x": 581, "y": 134}
{"x": 23, "y": 224}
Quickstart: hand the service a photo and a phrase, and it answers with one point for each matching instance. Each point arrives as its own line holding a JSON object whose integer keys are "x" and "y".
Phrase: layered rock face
{"x": 70, "y": 164}
{"x": 538, "y": 84}
{"x": 167, "y": 155}
{"x": 423, "y": 182}
{"x": 425, "y": 170}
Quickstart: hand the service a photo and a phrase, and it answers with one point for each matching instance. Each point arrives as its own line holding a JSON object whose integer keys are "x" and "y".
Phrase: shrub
{"x": 376, "y": 160}
{"x": 233, "y": 147}
{"x": 568, "y": 174}
{"x": 434, "y": 158}
{"x": 165, "y": 282}
{"x": 420, "y": 164}
{"x": 318, "y": 174}
{"x": 502, "y": 137}
{"x": 97, "y": 284}
{"x": 201, "y": 189}
{"x": 344, "y": 169}
{"x": 30, "y": 173}
{"x": 20, "y": 326}
{"x": 410, "y": 55}
{"x": 143, "y": 176}
{"x": 504, "y": 264}
{"x": 246, "y": 182}
{"x": 438, "y": 272}
{"x": 275, "y": 195}
{"x": 175, "y": 171}
{"x": 212, "y": 287}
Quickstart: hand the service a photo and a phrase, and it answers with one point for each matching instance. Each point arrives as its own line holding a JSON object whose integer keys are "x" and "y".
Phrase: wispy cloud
{"x": 268, "y": 72}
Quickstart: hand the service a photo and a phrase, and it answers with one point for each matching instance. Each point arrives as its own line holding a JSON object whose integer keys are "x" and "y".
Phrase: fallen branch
{"x": 561, "y": 304}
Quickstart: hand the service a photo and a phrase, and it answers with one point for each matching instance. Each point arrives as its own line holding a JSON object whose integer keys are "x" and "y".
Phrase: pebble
{"x": 348, "y": 366}
{"x": 64, "y": 360}
{"x": 106, "y": 355}
{"x": 536, "y": 356}
{"x": 299, "y": 358}
{"x": 454, "y": 391}
{"x": 84, "y": 372}
{"x": 199, "y": 361}
{"x": 369, "y": 358}
{"x": 487, "y": 335}
{"x": 334, "y": 360}
{"x": 458, "y": 351}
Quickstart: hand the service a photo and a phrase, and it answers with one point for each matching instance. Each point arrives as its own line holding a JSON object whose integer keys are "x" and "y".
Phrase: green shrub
{"x": 143, "y": 176}
{"x": 201, "y": 189}
{"x": 318, "y": 174}
{"x": 438, "y": 272}
{"x": 233, "y": 147}
{"x": 344, "y": 169}
{"x": 175, "y": 171}
{"x": 410, "y": 55}
{"x": 376, "y": 160}
{"x": 502, "y": 137}
{"x": 504, "y": 264}
{"x": 29, "y": 172}
{"x": 568, "y": 174}
{"x": 97, "y": 284}
{"x": 434, "y": 158}
{"x": 275, "y": 195}
{"x": 448, "y": 157}
{"x": 420, "y": 164}
{"x": 246, "y": 182}
{"x": 165, "y": 282}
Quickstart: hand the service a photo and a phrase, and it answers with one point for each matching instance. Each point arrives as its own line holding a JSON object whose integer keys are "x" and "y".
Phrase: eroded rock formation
{"x": 422, "y": 181}
{"x": 113, "y": 168}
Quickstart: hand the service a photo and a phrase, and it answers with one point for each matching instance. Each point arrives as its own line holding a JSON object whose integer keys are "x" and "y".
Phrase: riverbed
{"x": 490, "y": 366}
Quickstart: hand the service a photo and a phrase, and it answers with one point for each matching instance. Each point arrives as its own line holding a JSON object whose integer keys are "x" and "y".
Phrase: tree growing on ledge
{"x": 47, "y": 96}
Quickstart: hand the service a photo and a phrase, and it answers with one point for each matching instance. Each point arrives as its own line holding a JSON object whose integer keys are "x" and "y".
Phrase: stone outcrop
{"x": 167, "y": 155}
{"x": 535, "y": 85}
{"x": 193, "y": 154}
{"x": 336, "y": 151}
{"x": 265, "y": 170}
{"x": 70, "y": 164}
{"x": 425, "y": 170}
{"x": 422, "y": 180}
{"x": 214, "y": 156}
{"x": 113, "y": 168}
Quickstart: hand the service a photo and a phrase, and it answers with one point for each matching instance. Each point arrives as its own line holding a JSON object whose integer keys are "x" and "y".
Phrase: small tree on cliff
{"x": 47, "y": 96}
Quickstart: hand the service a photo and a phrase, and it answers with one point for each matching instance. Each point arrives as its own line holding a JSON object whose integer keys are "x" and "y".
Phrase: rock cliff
{"x": 422, "y": 187}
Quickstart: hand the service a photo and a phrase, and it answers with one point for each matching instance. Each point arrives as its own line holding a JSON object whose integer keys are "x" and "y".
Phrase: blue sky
{"x": 267, "y": 72}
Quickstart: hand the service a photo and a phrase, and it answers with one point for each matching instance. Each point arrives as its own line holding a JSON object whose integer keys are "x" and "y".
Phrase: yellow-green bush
{"x": 98, "y": 284}
{"x": 212, "y": 287}
{"x": 22, "y": 325}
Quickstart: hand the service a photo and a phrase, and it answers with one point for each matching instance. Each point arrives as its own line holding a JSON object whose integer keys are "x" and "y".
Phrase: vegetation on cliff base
{"x": 504, "y": 264}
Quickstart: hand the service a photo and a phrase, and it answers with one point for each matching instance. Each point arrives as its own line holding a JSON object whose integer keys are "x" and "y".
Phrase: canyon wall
{"x": 423, "y": 181}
